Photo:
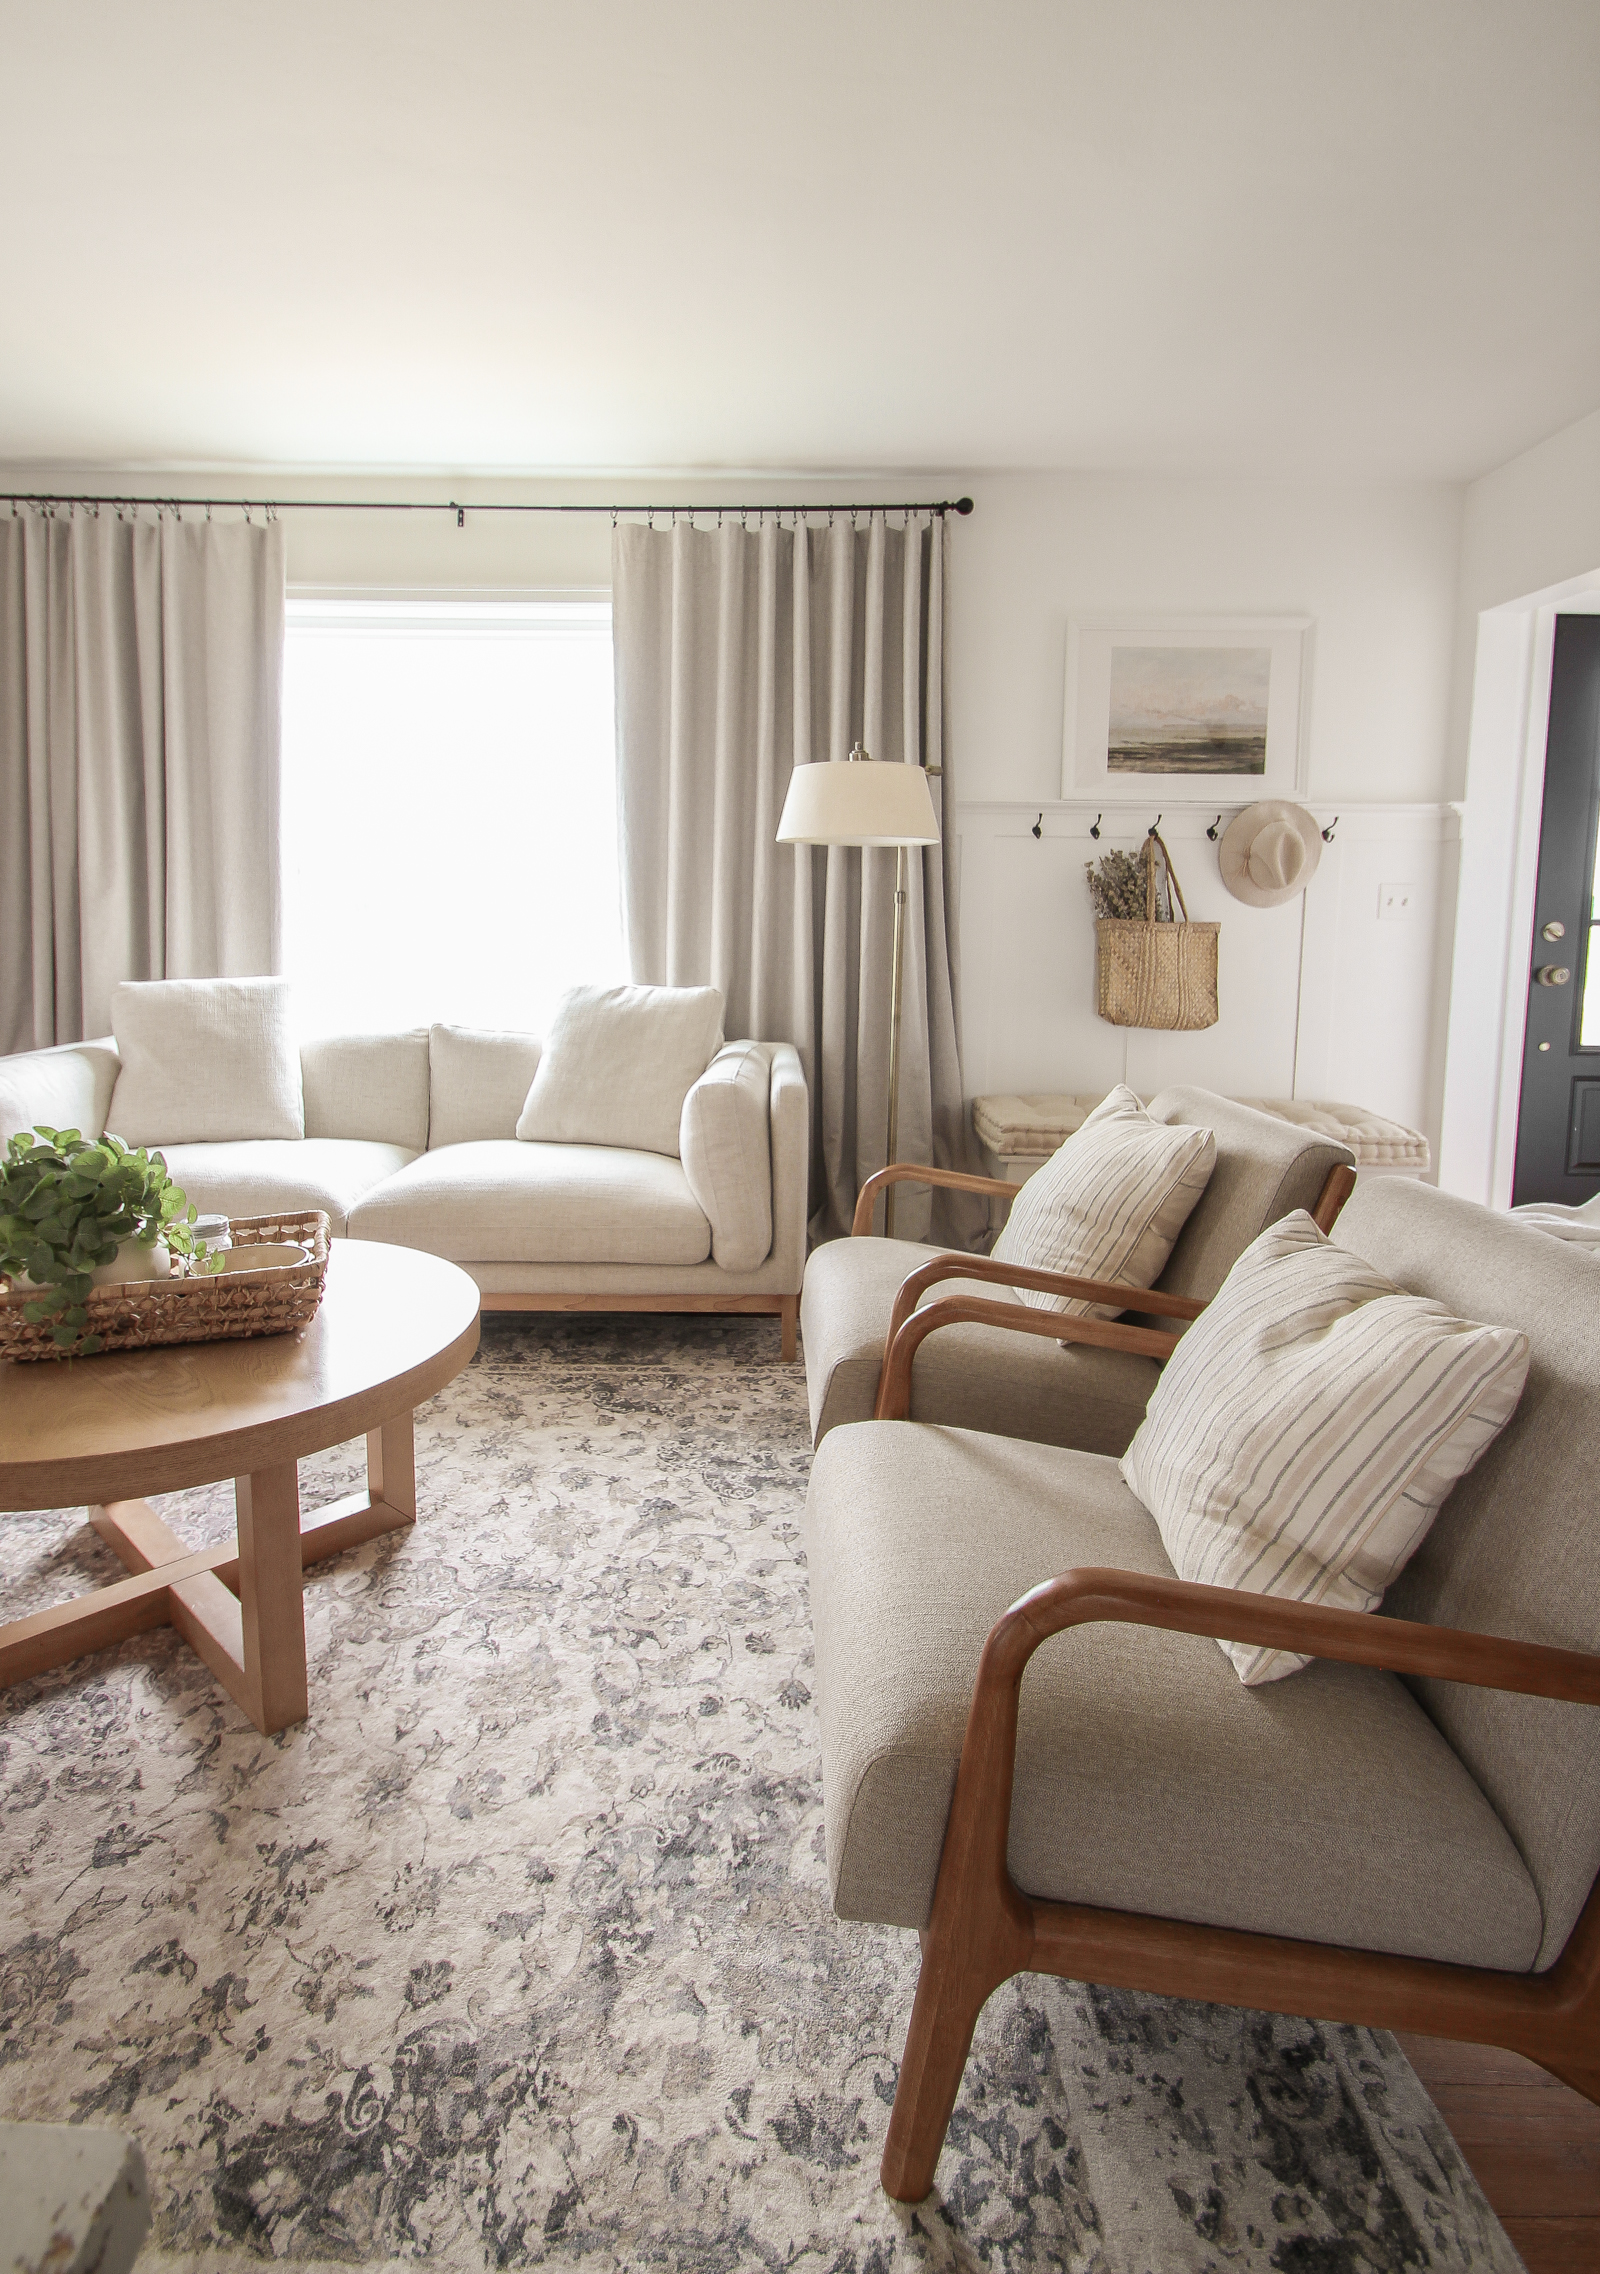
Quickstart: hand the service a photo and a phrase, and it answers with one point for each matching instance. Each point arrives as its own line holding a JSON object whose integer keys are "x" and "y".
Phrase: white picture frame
{"x": 1157, "y": 705}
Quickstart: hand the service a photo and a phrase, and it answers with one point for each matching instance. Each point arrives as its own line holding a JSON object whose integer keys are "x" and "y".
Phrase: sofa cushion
{"x": 975, "y": 1377}
{"x": 265, "y": 1176}
{"x": 1147, "y": 1777}
{"x": 501, "y": 1200}
{"x": 478, "y": 1081}
{"x": 68, "y": 1087}
{"x": 1302, "y": 1437}
{"x": 724, "y": 1140}
{"x": 1265, "y": 1169}
{"x": 368, "y": 1085}
{"x": 1515, "y": 1549}
{"x": 204, "y": 1060}
{"x": 1109, "y": 1203}
{"x": 618, "y": 1063}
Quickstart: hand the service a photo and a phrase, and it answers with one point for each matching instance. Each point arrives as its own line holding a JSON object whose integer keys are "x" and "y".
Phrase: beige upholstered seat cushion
{"x": 1148, "y": 1778}
{"x": 478, "y": 1081}
{"x": 618, "y": 1063}
{"x": 1109, "y": 1204}
{"x": 724, "y": 1140}
{"x": 204, "y": 1060}
{"x": 274, "y": 1174}
{"x": 521, "y": 1203}
{"x": 368, "y": 1085}
{"x": 1303, "y": 1436}
{"x": 974, "y": 1377}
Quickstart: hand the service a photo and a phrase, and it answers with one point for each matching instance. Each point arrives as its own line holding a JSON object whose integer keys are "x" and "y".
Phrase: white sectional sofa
{"x": 411, "y": 1138}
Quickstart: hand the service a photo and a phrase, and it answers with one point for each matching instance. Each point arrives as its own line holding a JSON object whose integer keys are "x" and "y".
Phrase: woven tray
{"x": 140, "y": 1314}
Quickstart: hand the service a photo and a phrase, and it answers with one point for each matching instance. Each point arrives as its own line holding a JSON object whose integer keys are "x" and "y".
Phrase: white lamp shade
{"x": 858, "y": 801}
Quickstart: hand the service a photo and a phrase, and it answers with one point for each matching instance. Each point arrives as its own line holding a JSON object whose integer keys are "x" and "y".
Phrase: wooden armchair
{"x": 910, "y": 1326}
{"x": 1062, "y": 1774}
{"x": 1093, "y": 1394}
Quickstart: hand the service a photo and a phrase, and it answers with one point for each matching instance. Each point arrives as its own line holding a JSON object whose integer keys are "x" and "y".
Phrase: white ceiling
{"x": 1329, "y": 236}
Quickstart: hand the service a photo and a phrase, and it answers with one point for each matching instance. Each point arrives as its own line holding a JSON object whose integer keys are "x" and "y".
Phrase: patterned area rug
{"x": 520, "y": 1952}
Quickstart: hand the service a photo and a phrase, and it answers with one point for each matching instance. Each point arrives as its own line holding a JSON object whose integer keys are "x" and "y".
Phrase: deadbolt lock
{"x": 1553, "y": 931}
{"x": 1552, "y": 975}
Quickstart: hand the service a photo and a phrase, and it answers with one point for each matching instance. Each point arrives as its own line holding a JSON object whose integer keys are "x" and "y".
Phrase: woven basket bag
{"x": 1157, "y": 974}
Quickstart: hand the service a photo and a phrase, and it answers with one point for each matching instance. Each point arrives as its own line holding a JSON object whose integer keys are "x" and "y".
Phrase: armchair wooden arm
{"x": 894, "y": 1383}
{"x": 912, "y": 1172}
{"x": 1147, "y": 1300}
{"x": 983, "y": 1929}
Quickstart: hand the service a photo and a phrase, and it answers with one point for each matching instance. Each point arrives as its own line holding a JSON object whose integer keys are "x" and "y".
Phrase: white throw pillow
{"x": 1109, "y": 1203}
{"x": 618, "y": 1063}
{"x": 203, "y": 1061}
{"x": 1304, "y": 1435}
{"x": 724, "y": 1139}
{"x": 478, "y": 1082}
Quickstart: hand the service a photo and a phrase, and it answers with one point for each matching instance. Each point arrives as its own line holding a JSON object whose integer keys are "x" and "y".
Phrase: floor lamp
{"x": 866, "y": 801}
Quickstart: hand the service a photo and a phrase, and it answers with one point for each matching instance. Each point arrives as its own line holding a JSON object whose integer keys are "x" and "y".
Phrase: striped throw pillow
{"x": 1304, "y": 1434}
{"x": 1109, "y": 1204}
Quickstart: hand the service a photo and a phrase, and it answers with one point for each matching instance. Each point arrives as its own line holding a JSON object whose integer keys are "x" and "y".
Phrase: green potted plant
{"x": 70, "y": 1206}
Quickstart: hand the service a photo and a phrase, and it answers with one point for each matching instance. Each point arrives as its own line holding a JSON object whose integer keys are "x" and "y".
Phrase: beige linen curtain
{"x": 741, "y": 653}
{"x": 141, "y": 664}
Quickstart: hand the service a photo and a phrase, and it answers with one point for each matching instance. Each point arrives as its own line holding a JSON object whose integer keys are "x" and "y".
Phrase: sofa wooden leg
{"x": 790, "y": 1314}
{"x": 948, "y": 2002}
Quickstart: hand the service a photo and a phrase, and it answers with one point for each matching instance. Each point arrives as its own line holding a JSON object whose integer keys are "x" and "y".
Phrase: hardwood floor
{"x": 1533, "y": 2143}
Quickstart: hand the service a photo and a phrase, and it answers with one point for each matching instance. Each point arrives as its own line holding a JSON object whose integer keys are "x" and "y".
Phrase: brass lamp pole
{"x": 865, "y": 801}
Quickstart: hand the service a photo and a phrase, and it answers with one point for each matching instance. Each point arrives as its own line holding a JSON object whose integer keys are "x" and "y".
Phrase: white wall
{"x": 1374, "y": 566}
{"x": 1319, "y": 999}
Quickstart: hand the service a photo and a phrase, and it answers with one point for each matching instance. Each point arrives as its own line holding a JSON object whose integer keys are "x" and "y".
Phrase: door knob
{"x": 1552, "y": 975}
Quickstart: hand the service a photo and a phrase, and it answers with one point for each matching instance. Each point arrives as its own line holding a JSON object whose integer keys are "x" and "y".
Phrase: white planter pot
{"x": 133, "y": 1260}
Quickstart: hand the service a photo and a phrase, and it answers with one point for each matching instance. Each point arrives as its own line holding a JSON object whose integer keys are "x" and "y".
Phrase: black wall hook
{"x": 1038, "y": 827}
{"x": 1094, "y": 827}
{"x": 1154, "y": 826}
{"x": 1327, "y": 834}
{"x": 1216, "y": 826}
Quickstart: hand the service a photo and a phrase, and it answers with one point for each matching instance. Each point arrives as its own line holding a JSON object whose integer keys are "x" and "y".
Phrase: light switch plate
{"x": 1395, "y": 900}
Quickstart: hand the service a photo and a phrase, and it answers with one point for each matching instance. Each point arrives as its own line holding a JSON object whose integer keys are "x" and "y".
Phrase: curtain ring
{"x": 613, "y": 517}
{"x": 830, "y": 517}
{"x": 208, "y": 509}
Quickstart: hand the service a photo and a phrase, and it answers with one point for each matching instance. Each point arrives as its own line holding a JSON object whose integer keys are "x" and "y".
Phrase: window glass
{"x": 1589, "y": 1022}
{"x": 449, "y": 811}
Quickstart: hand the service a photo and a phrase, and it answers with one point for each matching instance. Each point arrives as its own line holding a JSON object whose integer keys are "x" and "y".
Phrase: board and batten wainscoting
{"x": 1339, "y": 993}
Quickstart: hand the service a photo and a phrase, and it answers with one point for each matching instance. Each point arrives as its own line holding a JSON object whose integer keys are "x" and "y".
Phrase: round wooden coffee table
{"x": 394, "y": 1326}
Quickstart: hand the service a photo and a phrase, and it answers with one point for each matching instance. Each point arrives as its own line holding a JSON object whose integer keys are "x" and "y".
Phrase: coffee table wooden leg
{"x": 392, "y": 1466}
{"x": 271, "y": 1604}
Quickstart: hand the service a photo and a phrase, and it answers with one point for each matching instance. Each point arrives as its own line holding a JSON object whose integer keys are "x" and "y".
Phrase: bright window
{"x": 449, "y": 810}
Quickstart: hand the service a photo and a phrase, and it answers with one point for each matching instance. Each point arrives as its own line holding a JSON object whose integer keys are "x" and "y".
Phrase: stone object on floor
{"x": 1018, "y": 1134}
{"x": 73, "y": 2199}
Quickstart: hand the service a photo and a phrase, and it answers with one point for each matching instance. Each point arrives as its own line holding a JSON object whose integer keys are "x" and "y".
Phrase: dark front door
{"x": 1558, "y": 1125}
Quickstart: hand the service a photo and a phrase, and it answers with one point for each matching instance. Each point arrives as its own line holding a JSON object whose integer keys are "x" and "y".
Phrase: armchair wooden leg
{"x": 790, "y": 1314}
{"x": 949, "y": 1999}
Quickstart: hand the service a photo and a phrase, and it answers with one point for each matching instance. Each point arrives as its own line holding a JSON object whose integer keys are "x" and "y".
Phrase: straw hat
{"x": 1270, "y": 852}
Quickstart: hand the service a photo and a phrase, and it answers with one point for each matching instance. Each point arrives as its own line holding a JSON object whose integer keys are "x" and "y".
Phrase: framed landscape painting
{"x": 1189, "y": 708}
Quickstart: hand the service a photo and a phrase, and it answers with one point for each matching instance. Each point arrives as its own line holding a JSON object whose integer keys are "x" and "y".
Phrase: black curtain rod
{"x": 462, "y": 507}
